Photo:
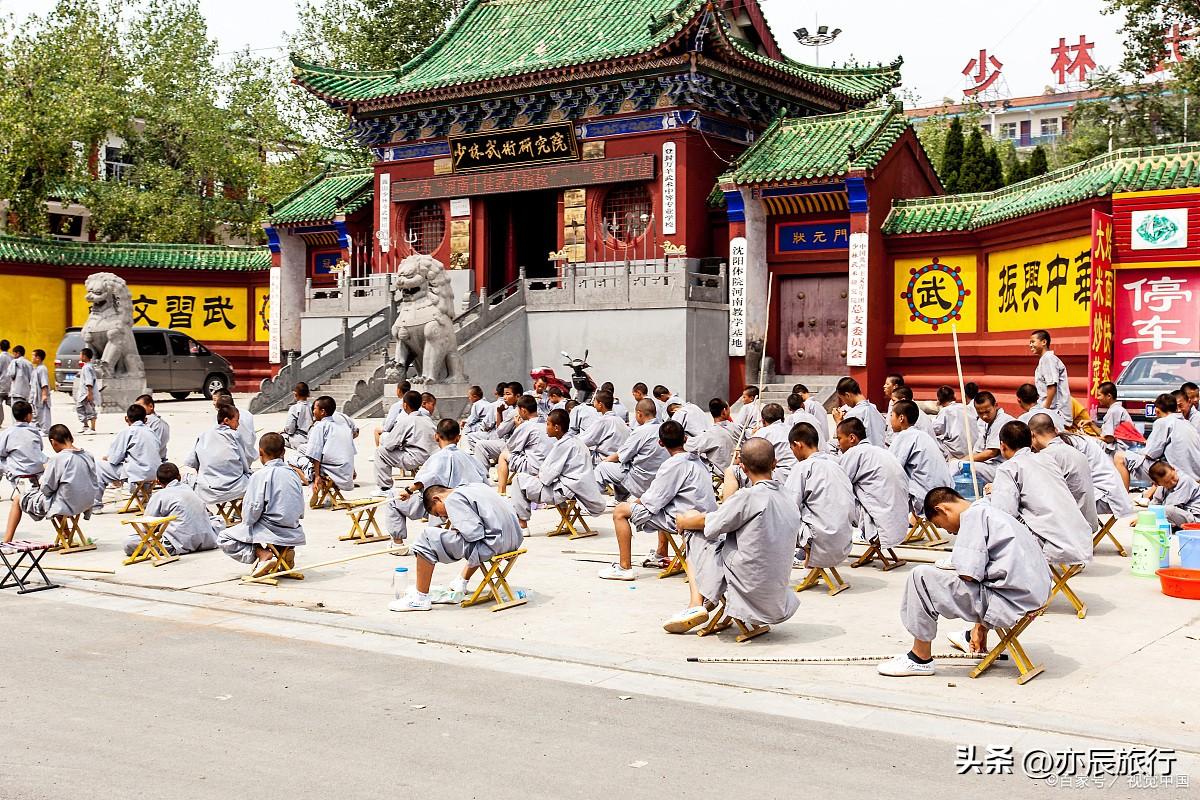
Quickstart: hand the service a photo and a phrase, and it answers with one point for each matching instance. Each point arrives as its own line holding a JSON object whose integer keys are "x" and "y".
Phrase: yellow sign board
{"x": 261, "y": 313}
{"x": 1042, "y": 286}
{"x": 207, "y": 313}
{"x": 931, "y": 293}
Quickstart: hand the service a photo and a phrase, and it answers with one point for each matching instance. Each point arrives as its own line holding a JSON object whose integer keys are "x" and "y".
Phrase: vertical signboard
{"x": 856, "y": 328}
{"x": 274, "y": 354}
{"x": 384, "y": 228}
{"x": 737, "y": 296}
{"x": 669, "y": 204}
{"x": 1100, "y": 318}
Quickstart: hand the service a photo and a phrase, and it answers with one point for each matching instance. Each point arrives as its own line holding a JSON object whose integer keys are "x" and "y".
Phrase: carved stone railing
{"x": 651, "y": 284}
{"x": 348, "y": 348}
{"x": 366, "y": 294}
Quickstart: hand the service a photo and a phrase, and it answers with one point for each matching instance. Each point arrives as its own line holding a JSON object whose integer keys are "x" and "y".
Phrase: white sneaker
{"x": 446, "y": 597}
{"x": 860, "y": 537}
{"x": 614, "y": 572}
{"x": 903, "y": 666}
{"x": 798, "y": 561}
{"x": 411, "y": 602}
{"x": 961, "y": 640}
{"x": 655, "y": 561}
{"x": 944, "y": 563}
{"x": 687, "y": 619}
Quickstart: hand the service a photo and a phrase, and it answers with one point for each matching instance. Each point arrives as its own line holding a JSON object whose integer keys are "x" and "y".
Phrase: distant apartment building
{"x": 1025, "y": 121}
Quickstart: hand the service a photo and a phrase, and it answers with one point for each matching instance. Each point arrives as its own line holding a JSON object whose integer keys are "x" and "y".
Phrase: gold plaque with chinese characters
{"x": 537, "y": 144}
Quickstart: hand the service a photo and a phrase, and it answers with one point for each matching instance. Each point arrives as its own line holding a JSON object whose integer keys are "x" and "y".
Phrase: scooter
{"x": 585, "y": 387}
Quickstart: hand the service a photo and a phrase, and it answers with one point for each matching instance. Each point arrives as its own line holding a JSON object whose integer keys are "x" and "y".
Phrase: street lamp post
{"x": 822, "y": 36}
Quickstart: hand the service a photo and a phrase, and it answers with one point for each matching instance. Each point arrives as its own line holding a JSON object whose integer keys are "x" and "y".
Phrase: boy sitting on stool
{"x": 193, "y": 529}
{"x": 271, "y": 512}
{"x": 67, "y": 487}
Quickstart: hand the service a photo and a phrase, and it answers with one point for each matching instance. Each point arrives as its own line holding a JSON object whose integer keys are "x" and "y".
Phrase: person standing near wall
{"x": 1050, "y": 377}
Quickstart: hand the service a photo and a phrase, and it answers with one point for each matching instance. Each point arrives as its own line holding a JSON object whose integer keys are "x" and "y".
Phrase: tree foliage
{"x": 369, "y": 34}
{"x": 952, "y": 155}
{"x": 1147, "y": 24}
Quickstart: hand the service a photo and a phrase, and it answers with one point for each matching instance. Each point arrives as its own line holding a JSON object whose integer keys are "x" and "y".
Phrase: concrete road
{"x": 98, "y": 704}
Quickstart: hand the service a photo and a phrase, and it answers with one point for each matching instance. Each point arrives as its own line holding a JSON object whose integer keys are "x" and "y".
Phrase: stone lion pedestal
{"x": 452, "y": 400}
{"x": 109, "y": 333}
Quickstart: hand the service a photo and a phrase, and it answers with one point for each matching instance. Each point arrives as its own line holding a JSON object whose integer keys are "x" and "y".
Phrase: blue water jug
{"x": 963, "y": 484}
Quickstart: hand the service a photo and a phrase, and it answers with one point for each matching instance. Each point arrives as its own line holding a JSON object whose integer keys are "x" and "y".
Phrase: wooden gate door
{"x": 812, "y": 317}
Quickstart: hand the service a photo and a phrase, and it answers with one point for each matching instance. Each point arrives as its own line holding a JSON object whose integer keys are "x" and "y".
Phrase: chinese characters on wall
{"x": 795, "y": 238}
{"x": 529, "y": 145}
{"x": 206, "y": 313}
{"x": 856, "y": 303}
{"x": 1041, "y": 286}
{"x": 1100, "y": 330}
{"x": 737, "y": 296}
{"x": 669, "y": 197}
{"x": 1156, "y": 311}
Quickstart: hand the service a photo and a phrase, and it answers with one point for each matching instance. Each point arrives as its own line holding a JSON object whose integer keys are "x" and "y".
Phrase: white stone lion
{"x": 109, "y": 327}
{"x": 424, "y": 327}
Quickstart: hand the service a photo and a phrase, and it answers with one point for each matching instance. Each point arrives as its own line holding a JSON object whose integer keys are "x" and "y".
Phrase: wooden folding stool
{"x": 277, "y": 563}
{"x": 678, "y": 564}
{"x": 139, "y": 496}
{"x": 362, "y": 520}
{"x": 1008, "y": 641}
{"x": 1061, "y": 574}
{"x": 886, "y": 555}
{"x": 924, "y": 534}
{"x": 831, "y": 577}
{"x": 571, "y": 521}
{"x": 719, "y": 621}
{"x": 150, "y": 547}
{"x": 495, "y": 583}
{"x": 68, "y": 538}
{"x": 34, "y": 551}
{"x": 230, "y": 511}
{"x": 327, "y": 492}
{"x": 16, "y": 480}
{"x": 1107, "y": 530}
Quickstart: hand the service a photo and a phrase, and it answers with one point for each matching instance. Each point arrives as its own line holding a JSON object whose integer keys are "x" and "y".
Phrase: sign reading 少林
{"x": 207, "y": 313}
{"x": 932, "y": 293}
{"x": 1040, "y": 286}
{"x": 532, "y": 145}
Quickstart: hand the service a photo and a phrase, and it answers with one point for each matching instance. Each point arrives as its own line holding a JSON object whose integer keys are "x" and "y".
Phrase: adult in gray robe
{"x": 192, "y": 530}
{"x": 222, "y": 470}
{"x": 482, "y": 525}
{"x": 683, "y": 483}
{"x": 638, "y": 460}
{"x": 880, "y": 493}
{"x": 271, "y": 513}
{"x": 132, "y": 458}
{"x": 1077, "y": 474}
{"x": 1111, "y": 495}
{"x": 999, "y": 575}
{"x": 406, "y": 446}
{"x": 921, "y": 458}
{"x": 1030, "y": 489}
{"x": 605, "y": 436}
{"x": 566, "y": 473}
{"x": 744, "y": 554}
{"x": 825, "y": 499}
{"x": 449, "y": 467}
{"x": 332, "y": 445}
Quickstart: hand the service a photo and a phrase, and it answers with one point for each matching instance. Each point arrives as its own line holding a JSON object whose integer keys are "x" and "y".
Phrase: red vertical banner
{"x": 1104, "y": 281}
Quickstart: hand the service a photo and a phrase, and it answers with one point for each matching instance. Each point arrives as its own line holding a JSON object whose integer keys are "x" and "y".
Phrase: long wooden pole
{"x": 829, "y": 660}
{"x": 262, "y": 578}
{"x": 762, "y": 362}
{"x": 962, "y": 392}
{"x": 82, "y": 569}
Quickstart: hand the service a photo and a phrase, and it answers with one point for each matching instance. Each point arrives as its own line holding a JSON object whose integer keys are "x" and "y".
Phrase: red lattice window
{"x": 426, "y": 227}
{"x": 626, "y": 212}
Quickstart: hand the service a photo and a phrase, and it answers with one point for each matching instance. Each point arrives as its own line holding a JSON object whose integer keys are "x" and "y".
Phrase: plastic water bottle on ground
{"x": 400, "y": 582}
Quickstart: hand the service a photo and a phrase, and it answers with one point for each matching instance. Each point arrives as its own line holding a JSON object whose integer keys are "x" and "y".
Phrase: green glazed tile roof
{"x": 825, "y": 146}
{"x": 493, "y": 39}
{"x": 1129, "y": 170}
{"x": 326, "y": 196}
{"x": 118, "y": 255}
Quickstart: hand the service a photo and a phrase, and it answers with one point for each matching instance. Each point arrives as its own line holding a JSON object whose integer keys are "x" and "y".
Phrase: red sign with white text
{"x": 1100, "y": 347}
{"x": 1157, "y": 310}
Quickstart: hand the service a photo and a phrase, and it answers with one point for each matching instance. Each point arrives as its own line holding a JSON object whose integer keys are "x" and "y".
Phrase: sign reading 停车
{"x": 1156, "y": 310}
{"x": 207, "y": 313}
{"x": 737, "y": 296}
{"x": 796, "y": 238}
{"x": 932, "y": 293}
{"x": 1100, "y": 338}
{"x": 1041, "y": 286}
{"x": 497, "y": 149}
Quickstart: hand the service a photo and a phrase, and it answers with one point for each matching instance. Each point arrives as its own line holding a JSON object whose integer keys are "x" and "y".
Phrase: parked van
{"x": 175, "y": 363}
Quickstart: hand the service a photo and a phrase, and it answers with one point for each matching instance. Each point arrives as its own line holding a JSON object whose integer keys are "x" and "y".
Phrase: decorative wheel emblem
{"x": 935, "y": 294}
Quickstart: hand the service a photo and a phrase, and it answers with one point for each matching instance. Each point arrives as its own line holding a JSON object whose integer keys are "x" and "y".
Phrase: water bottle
{"x": 963, "y": 484}
{"x": 400, "y": 582}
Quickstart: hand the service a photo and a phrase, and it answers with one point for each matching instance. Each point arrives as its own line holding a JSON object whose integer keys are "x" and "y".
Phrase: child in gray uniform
{"x": 67, "y": 487}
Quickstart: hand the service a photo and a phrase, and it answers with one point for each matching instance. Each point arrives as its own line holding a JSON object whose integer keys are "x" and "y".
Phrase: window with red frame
{"x": 426, "y": 227}
{"x": 626, "y": 212}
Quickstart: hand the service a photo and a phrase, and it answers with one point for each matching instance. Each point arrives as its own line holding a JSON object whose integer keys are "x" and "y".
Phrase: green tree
{"x": 1037, "y": 164}
{"x": 1147, "y": 24}
{"x": 952, "y": 156}
{"x": 62, "y": 90}
{"x": 975, "y": 174}
{"x": 995, "y": 170}
{"x": 1125, "y": 115}
{"x": 369, "y": 34}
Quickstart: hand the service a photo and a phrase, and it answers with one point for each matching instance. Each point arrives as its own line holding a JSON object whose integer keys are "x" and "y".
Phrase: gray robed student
{"x": 271, "y": 512}
{"x": 922, "y": 461}
{"x": 67, "y": 487}
{"x": 825, "y": 500}
{"x": 606, "y": 435}
{"x": 583, "y": 417}
{"x": 1171, "y": 438}
{"x": 1051, "y": 372}
{"x": 715, "y": 445}
{"x": 527, "y": 448}
{"x": 39, "y": 388}
{"x": 487, "y": 446}
{"x": 20, "y": 376}
{"x": 332, "y": 444}
{"x": 1073, "y": 466}
{"x": 1029, "y": 488}
{"x": 449, "y": 467}
{"x": 683, "y": 483}
{"x": 162, "y": 432}
{"x": 820, "y": 425}
{"x": 6, "y": 360}
{"x": 1111, "y": 495}
{"x": 406, "y": 446}
{"x": 220, "y": 463}
{"x": 1181, "y": 498}
{"x": 191, "y": 531}
{"x": 638, "y": 459}
{"x": 998, "y": 574}
{"x": 22, "y": 451}
{"x": 866, "y": 412}
{"x": 880, "y": 493}
{"x": 481, "y": 526}
{"x": 949, "y": 429}
{"x": 566, "y": 472}
{"x": 246, "y": 434}
{"x": 85, "y": 378}
{"x": 132, "y": 456}
{"x": 744, "y": 554}
{"x": 299, "y": 420}
{"x": 689, "y": 415}
{"x": 987, "y": 437}
{"x": 476, "y": 416}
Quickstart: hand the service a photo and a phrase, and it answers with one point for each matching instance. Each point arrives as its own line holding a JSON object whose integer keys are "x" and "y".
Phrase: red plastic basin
{"x": 1180, "y": 582}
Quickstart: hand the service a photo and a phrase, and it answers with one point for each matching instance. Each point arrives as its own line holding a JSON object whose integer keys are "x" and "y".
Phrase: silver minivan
{"x": 1148, "y": 375}
{"x": 175, "y": 363}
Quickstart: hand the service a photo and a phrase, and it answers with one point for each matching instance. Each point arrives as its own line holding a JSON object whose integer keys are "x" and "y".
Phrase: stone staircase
{"x": 342, "y": 385}
{"x": 820, "y": 387}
